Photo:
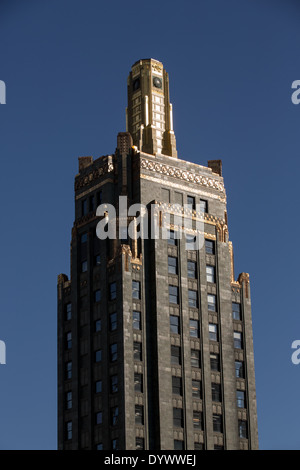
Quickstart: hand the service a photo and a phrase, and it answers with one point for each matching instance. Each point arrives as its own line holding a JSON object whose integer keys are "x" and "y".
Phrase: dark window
{"x": 191, "y": 202}
{"x": 213, "y": 332}
{"x": 99, "y": 446}
{"x": 193, "y": 298}
{"x": 99, "y": 417}
{"x": 98, "y": 355}
{"x": 97, "y": 260}
{"x": 172, "y": 265}
{"x": 191, "y": 269}
{"x": 215, "y": 361}
{"x": 92, "y": 203}
{"x": 69, "y": 400}
{"x": 178, "y": 417}
{"x": 84, "y": 266}
{"x": 237, "y": 339}
{"x": 112, "y": 291}
{"x": 195, "y": 358}
{"x": 174, "y": 324}
{"x": 178, "y": 445}
{"x": 136, "y": 316}
{"x": 68, "y": 311}
{"x": 173, "y": 294}
{"x": 114, "y": 414}
{"x": 243, "y": 429}
{"x": 99, "y": 198}
{"x": 218, "y": 447}
{"x": 210, "y": 274}
{"x": 217, "y": 423}
{"x": 114, "y": 384}
{"x": 115, "y": 444}
{"x": 69, "y": 340}
{"x": 203, "y": 206}
{"x": 209, "y": 247}
{"x": 136, "y": 290}
{"x": 198, "y": 446}
{"x": 176, "y": 385}
{"x": 113, "y": 324}
{"x": 113, "y": 352}
{"x": 240, "y": 399}
{"x": 239, "y": 369}
{"x": 198, "y": 420}
{"x": 172, "y": 238}
{"x": 194, "y": 328}
{"x": 98, "y": 325}
{"x": 97, "y": 295}
{"x": 68, "y": 370}
{"x": 216, "y": 392}
{"x": 69, "y": 430}
{"x": 138, "y": 383}
{"x": 98, "y": 386}
{"x": 137, "y": 351}
{"x": 211, "y": 302}
{"x": 236, "y": 311}
{"x": 175, "y": 355}
{"x": 196, "y": 389}
{"x": 139, "y": 414}
{"x": 84, "y": 207}
{"x": 84, "y": 238}
{"x": 139, "y": 443}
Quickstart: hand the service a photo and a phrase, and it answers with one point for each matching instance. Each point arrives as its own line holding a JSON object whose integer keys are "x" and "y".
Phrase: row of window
{"x": 91, "y": 203}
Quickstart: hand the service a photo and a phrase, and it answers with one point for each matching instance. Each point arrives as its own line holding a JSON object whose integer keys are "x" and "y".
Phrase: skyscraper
{"x": 155, "y": 347}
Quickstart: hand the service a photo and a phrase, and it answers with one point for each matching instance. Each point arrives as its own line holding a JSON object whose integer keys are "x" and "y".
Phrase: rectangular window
{"x": 175, "y": 355}
{"x": 138, "y": 383}
{"x": 136, "y": 290}
{"x": 203, "y": 206}
{"x": 98, "y": 386}
{"x": 69, "y": 430}
{"x": 112, "y": 291}
{"x": 84, "y": 207}
{"x": 139, "y": 443}
{"x": 174, "y": 324}
{"x": 84, "y": 238}
{"x": 190, "y": 242}
{"x": 236, "y": 311}
{"x": 239, "y": 370}
{"x": 136, "y": 320}
{"x": 213, "y": 332}
{"x": 113, "y": 352}
{"x": 99, "y": 417}
{"x": 173, "y": 295}
{"x": 238, "y": 340}
{"x": 113, "y": 324}
{"x": 69, "y": 340}
{"x": 216, "y": 392}
{"x": 68, "y": 311}
{"x": 243, "y": 429}
{"x": 84, "y": 266}
{"x": 99, "y": 198}
{"x": 68, "y": 370}
{"x": 194, "y": 328}
{"x": 192, "y": 269}
{"x": 198, "y": 446}
{"x": 115, "y": 444}
{"x": 198, "y": 420}
{"x": 215, "y": 362}
{"x": 172, "y": 238}
{"x": 191, "y": 202}
{"x": 139, "y": 414}
{"x": 240, "y": 398}
{"x": 97, "y": 325}
{"x": 211, "y": 302}
{"x": 114, "y": 415}
{"x": 176, "y": 385}
{"x": 178, "y": 445}
{"x": 210, "y": 274}
{"x": 196, "y": 389}
{"x": 97, "y": 260}
{"x": 92, "y": 203}
{"x": 69, "y": 400}
{"x": 98, "y": 355}
{"x": 114, "y": 384}
{"x": 209, "y": 247}
{"x": 172, "y": 265}
{"x": 137, "y": 351}
{"x": 97, "y": 295}
{"x": 99, "y": 446}
{"x": 193, "y": 298}
{"x": 217, "y": 423}
{"x": 195, "y": 358}
{"x": 178, "y": 417}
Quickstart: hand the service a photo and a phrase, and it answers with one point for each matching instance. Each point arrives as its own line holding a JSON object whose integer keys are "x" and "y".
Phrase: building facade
{"x": 155, "y": 347}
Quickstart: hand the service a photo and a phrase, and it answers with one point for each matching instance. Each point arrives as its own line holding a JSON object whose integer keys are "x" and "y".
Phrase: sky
{"x": 65, "y": 65}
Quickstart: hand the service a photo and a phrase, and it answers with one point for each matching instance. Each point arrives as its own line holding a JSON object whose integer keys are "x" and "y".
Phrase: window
{"x": 236, "y": 311}
{"x": 99, "y": 417}
{"x": 84, "y": 207}
{"x": 193, "y": 298}
{"x": 137, "y": 351}
{"x": 68, "y": 370}
{"x": 178, "y": 445}
{"x": 174, "y": 324}
{"x": 136, "y": 290}
{"x": 99, "y": 446}
{"x": 113, "y": 352}
{"x": 203, "y": 206}
{"x": 98, "y": 386}
{"x": 113, "y": 321}
{"x": 84, "y": 266}
{"x": 92, "y": 203}
{"x": 98, "y": 325}
{"x": 178, "y": 417}
{"x": 176, "y": 385}
{"x": 98, "y": 355}
{"x": 198, "y": 446}
{"x": 172, "y": 238}
{"x": 239, "y": 370}
{"x": 69, "y": 340}
{"x": 115, "y": 444}
{"x": 97, "y": 295}
{"x": 216, "y": 393}
{"x": 210, "y": 274}
{"x": 211, "y": 302}
{"x": 114, "y": 414}
{"x": 172, "y": 265}
{"x": 213, "y": 332}
{"x": 191, "y": 269}
{"x": 173, "y": 294}
{"x": 175, "y": 355}
{"x": 68, "y": 311}
{"x": 215, "y": 361}
{"x": 99, "y": 198}
{"x": 195, "y": 358}
{"x": 243, "y": 429}
{"x": 114, "y": 384}
{"x": 97, "y": 260}
{"x": 217, "y": 423}
{"x": 194, "y": 328}
{"x": 190, "y": 241}
{"x": 84, "y": 238}
{"x": 69, "y": 400}
{"x": 240, "y": 398}
{"x": 139, "y": 414}
{"x": 218, "y": 447}
{"x": 136, "y": 324}
{"x": 191, "y": 202}
{"x": 196, "y": 389}
{"x": 69, "y": 430}
{"x": 237, "y": 339}
{"x": 139, "y": 443}
{"x": 198, "y": 420}
{"x": 138, "y": 383}
{"x": 209, "y": 247}
{"x": 112, "y": 291}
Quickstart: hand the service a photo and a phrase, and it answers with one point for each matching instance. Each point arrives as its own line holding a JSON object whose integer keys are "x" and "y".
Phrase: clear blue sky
{"x": 65, "y": 64}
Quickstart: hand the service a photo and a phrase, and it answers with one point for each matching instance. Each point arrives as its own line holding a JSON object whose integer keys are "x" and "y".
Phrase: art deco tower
{"x": 155, "y": 347}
